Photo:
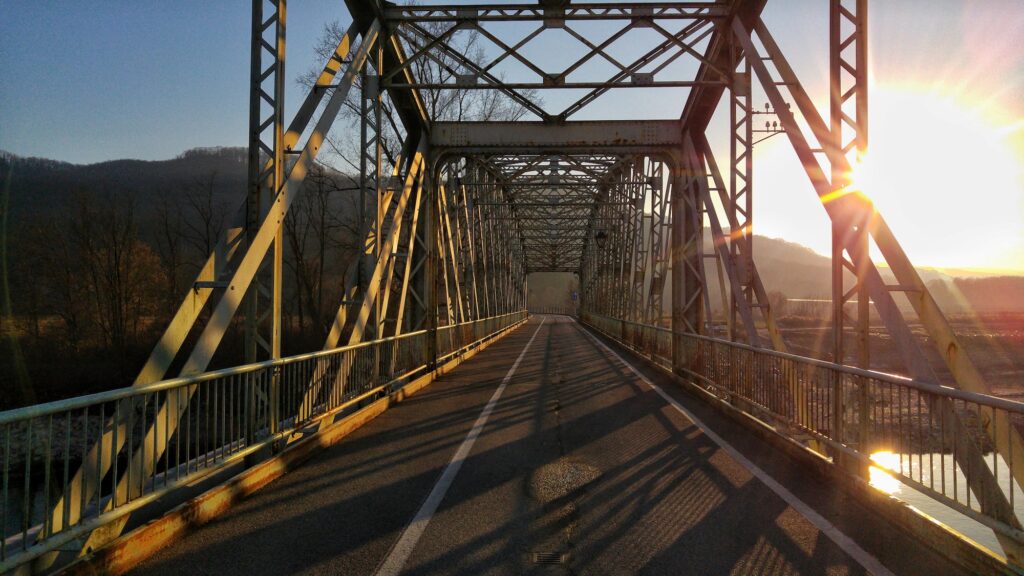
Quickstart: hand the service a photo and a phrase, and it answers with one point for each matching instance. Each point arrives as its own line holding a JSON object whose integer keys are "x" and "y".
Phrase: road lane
{"x": 580, "y": 467}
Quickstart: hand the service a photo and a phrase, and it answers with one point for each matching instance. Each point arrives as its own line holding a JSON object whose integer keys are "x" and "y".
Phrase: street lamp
{"x": 601, "y": 237}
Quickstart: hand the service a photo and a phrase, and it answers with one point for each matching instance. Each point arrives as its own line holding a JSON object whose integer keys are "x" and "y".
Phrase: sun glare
{"x": 878, "y": 477}
{"x": 947, "y": 179}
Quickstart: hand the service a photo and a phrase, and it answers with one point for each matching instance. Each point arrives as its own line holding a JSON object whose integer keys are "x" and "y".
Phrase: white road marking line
{"x": 400, "y": 552}
{"x": 861, "y": 556}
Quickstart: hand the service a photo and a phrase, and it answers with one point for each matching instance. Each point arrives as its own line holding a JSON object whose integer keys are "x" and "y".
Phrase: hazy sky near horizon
{"x": 87, "y": 82}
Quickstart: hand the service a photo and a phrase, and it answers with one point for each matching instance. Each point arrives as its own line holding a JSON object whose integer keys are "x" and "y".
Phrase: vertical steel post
{"x": 266, "y": 178}
{"x": 372, "y": 183}
{"x": 686, "y": 253}
{"x": 639, "y": 252}
{"x": 380, "y": 191}
{"x": 679, "y": 360}
{"x": 364, "y": 146}
{"x": 378, "y": 167}
{"x": 661, "y": 218}
{"x": 741, "y": 183}
{"x": 848, "y": 80}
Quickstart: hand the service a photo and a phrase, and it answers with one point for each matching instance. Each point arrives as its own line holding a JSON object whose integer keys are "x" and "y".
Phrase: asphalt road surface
{"x": 572, "y": 463}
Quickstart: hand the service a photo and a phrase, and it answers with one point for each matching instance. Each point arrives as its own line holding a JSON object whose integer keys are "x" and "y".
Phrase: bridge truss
{"x": 457, "y": 211}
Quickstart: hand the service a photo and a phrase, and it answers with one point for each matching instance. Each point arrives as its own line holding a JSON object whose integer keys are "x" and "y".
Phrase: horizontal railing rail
{"x": 224, "y": 415}
{"x": 934, "y": 439}
{"x": 562, "y": 310}
{"x": 453, "y": 338}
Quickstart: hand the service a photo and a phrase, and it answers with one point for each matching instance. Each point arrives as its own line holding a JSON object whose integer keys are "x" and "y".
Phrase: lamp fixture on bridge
{"x": 601, "y": 238}
{"x": 771, "y": 127}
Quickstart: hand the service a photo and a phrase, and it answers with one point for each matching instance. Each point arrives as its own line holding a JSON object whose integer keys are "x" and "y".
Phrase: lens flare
{"x": 937, "y": 162}
{"x": 878, "y": 477}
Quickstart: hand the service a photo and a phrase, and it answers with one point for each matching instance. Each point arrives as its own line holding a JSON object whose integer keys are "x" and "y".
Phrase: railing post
{"x": 838, "y": 406}
{"x": 275, "y": 399}
{"x": 864, "y": 415}
{"x": 731, "y": 386}
{"x": 250, "y": 404}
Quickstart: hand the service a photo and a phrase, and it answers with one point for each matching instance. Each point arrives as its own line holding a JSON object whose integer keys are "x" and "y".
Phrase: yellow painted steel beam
{"x": 81, "y": 485}
{"x": 164, "y": 426}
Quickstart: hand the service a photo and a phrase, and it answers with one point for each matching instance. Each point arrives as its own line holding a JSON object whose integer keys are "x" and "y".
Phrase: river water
{"x": 940, "y": 472}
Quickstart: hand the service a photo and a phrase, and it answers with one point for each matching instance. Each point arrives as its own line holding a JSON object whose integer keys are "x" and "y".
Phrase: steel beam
{"x": 481, "y": 12}
{"x": 848, "y": 81}
{"x": 266, "y": 172}
{"x": 241, "y": 277}
{"x": 539, "y": 136}
{"x": 703, "y": 100}
{"x": 843, "y": 210}
{"x": 687, "y": 283}
{"x": 209, "y": 339}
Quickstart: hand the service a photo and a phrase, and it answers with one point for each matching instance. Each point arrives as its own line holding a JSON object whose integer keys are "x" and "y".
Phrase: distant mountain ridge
{"x": 37, "y": 182}
{"x": 799, "y": 272}
{"x": 39, "y": 185}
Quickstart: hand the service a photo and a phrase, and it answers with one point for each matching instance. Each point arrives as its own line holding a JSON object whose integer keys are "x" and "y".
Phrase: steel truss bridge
{"x": 457, "y": 213}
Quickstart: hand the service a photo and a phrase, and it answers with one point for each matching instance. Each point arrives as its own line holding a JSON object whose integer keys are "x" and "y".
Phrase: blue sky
{"x": 92, "y": 81}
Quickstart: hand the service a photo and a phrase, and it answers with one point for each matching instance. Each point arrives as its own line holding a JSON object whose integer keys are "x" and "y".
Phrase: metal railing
{"x": 939, "y": 441}
{"x": 563, "y": 310}
{"x": 453, "y": 339}
{"x": 73, "y": 465}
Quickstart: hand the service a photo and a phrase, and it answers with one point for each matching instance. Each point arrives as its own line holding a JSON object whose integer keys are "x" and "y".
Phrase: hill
{"x": 99, "y": 256}
{"x": 39, "y": 184}
{"x": 211, "y": 182}
{"x": 990, "y": 294}
{"x": 800, "y": 273}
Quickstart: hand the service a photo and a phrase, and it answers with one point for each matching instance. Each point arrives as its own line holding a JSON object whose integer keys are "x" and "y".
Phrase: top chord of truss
{"x": 588, "y": 11}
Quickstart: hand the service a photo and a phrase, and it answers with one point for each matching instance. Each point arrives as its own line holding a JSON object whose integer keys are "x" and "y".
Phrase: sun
{"x": 946, "y": 177}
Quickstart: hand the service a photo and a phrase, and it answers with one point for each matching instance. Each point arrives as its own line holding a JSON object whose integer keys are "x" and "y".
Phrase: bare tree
{"x": 317, "y": 232}
{"x": 205, "y": 222}
{"x": 119, "y": 271}
{"x": 441, "y": 67}
{"x": 450, "y": 103}
{"x": 57, "y": 261}
{"x": 169, "y": 237}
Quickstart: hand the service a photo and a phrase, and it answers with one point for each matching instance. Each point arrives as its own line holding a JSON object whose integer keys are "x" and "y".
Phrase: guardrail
{"x": 73, "y": 465}
{"x": 563, "y": 310}
{"x": 939, "y": 441}
{"x": 452, "y": 339}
